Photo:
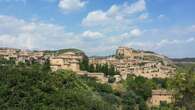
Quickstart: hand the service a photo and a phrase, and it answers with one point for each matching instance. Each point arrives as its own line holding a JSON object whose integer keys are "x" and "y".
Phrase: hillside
{"x": 183, "y": 60}
{"x": 63, "y": 51}
{"x": 34, "y": 86}
{"x": 25, "y": 87}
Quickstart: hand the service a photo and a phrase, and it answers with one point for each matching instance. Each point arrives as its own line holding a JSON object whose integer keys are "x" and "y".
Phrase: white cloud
{"x": 71, "y": 5}
{"x": 117, "y": 15}
{"x": 136, "y": 7}
{"x": 124, "y": 37}
{"x": 19, "y": 33}
{"x": 114, "y": 9}
{"x": 95, "y": 17}
{"x": 135, "y": 32}
{"x": 116, "y": 39}
{"x": 92, "y": 35}
{"x": 165, "y": 42}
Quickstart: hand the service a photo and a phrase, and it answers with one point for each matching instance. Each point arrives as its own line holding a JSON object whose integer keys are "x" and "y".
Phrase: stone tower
{"x": 124, "y": 52}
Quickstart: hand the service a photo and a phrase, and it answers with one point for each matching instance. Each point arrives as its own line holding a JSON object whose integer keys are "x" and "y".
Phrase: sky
{"x": 99, "y": 27}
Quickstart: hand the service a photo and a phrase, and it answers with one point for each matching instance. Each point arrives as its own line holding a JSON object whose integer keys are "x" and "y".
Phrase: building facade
{"x": 159, "y": 97}
{"x": 68, "y": 60}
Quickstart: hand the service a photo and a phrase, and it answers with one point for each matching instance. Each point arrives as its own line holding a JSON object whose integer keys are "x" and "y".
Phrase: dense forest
{"x": 35, "y": 87}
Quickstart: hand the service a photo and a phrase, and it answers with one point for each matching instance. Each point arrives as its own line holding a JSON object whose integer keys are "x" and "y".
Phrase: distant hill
{"x": 51, "y": 52}
{"x": 183, "y": 60}
{"x": 102, "y": 57}
{"x": 60, "y": 51}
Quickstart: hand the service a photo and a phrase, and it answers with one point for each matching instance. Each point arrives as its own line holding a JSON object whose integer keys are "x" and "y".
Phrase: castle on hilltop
{"x": 125, "y": 52}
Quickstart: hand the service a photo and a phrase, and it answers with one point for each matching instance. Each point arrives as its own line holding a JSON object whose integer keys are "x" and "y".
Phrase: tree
{"x": 140, "y": 85}
{"x": 91, "y": 68}
{"x": 104, "y": 68}
{"x": 84, "y": 64}
{"x": 183, "y": 86}
{"x": 32, "y": 87}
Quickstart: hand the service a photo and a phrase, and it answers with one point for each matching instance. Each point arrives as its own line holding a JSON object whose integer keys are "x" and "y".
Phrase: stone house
{"x": 100, "y": 77}
{"x": 8, "y": 53}
{"x": 68, "y": 60}
{"x": 160, "y": 96}
{"x": 24, "y": 56}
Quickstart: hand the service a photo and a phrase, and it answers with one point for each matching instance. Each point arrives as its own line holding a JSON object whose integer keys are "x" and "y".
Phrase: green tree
{"x": 91, "y": 68}
{"x": 140, "y": 85}
{"x": 27, "y": 87}
{"x": 84, "y": 64}
{"x": 183, "y": 86}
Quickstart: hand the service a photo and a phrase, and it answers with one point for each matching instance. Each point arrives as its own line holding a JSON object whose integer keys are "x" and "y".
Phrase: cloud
{"x": 136, "y": 7}
{"x": 116, "y": 15}
{"x": 92, "y": 35}
{"x": 166, "y": 42}
{"x": 135, "y": 32}
{"x": 124, "y": 37}
{"x": 19, "y": 33}
{"x": 171, "y": 41}
{"x": 95, "y": 17}
{"x": 71, "y": 5}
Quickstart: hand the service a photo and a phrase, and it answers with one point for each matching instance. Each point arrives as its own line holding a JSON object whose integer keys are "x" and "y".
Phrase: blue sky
{"x": 99, "y": 26}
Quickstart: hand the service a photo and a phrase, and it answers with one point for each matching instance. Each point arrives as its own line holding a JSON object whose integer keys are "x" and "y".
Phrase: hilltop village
{"x": 126, "y": 61}
{"x": 140, "y": 63}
